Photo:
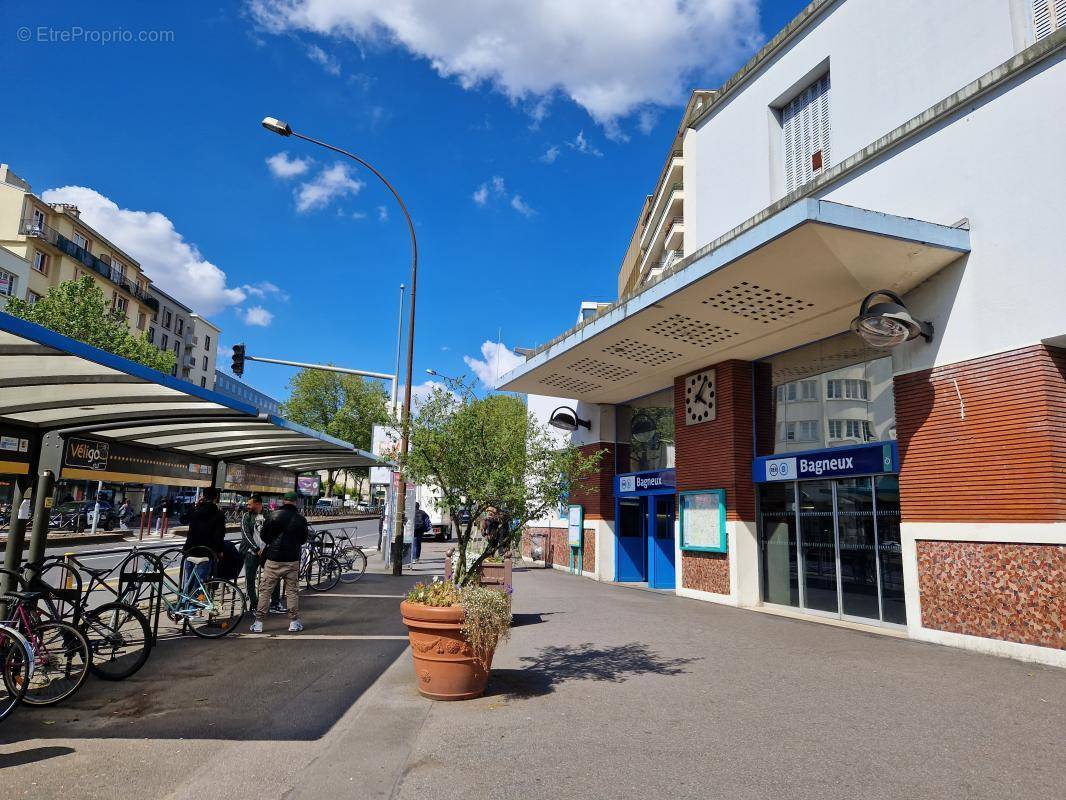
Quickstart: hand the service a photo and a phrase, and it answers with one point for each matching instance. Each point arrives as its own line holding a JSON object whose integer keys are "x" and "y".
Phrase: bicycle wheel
{"x": 323, "y": 573}
{"x": 324, "y": 542}
{"x": 61, "y": 663}
{"x": 120, "y": 640}
{"x": 63, "y": 589}
{"x": 217, "y": 609}
{"x": 16, "y": 661}
{"x": 353, "y": 564}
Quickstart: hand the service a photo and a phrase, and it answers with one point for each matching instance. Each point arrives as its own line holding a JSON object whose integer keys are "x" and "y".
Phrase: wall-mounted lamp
{"x": 566, "y": 419}
{"x": 888, "y": 324}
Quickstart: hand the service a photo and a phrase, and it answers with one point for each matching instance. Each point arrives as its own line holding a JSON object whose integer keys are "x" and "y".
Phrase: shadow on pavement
{"x": 518, "y": 620}
{"x": 32, "y": 755}
{"x": 557, "y": 664}
{"x": 242, "y": 687}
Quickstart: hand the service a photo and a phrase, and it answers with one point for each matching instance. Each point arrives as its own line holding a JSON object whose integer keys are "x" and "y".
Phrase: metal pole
{"x": 397, "y": 523}
{"x": 324, "y": 367}
{"x": 39, "y": 534}
{"x": 96, "y": 508}
{"x": 399, "y": 341}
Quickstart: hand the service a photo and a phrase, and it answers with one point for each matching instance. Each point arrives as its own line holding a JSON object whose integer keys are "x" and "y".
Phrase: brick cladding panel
{"x": 718, "y": 454}
{"x": 559, "y": 546}
{"x": 708, "y": 572}
{"x": 1000, "y": 454}
{"x": 1012, "y": 592}
{"x": 596, "y": 493}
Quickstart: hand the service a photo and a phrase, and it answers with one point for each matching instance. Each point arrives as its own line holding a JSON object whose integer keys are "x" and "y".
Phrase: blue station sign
{"x": 835, "y": 462}
{"x": 652, "y": 481}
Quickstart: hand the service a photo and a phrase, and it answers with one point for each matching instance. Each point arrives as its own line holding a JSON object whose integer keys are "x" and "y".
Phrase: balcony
{"x": 80, "y": 254}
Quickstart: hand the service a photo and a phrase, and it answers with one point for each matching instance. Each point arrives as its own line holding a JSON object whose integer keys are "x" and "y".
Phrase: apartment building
{"x": 59, "y": 246}
{"x": 14, "y": 276}
{"x": 229, "y": 386}
{"x": 844, "y": 402}
{"x": 191, "y": 338}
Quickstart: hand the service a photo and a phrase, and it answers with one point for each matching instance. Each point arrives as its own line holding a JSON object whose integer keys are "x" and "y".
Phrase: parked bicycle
{"x": 209, "y": 607}
{"x": 16, "y": 666}
{"x": 319, "y": 570}
{"x": 60, "y": 651}
{"x": 343, "y": 548}
{"x": 119, "y": 634}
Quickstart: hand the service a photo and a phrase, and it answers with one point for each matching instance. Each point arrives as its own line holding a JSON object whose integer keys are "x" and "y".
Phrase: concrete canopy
{"x": 53, "y": 383}
{"x": 792, "y": 278}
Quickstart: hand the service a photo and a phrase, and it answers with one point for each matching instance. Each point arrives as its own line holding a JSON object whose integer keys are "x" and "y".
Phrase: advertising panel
{"x": 16, "y": 449}
{"x": 258, "y": 478}
{"x": 309, "y": 485}
{"x": 96, "y": 460}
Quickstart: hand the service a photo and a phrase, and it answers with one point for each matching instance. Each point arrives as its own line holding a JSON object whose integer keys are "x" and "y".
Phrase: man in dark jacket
{"x": 204, "y": 541}
{"x": 283, "y": 538}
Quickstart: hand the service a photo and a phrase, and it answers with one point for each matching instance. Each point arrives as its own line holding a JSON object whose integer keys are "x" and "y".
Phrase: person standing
{"x": 125, "y": 514}
{"x": 250, "y": 547}
{"x": 204, "y": 540}
{"x": 283, "y": 538}
{"x": 423, "y": 525}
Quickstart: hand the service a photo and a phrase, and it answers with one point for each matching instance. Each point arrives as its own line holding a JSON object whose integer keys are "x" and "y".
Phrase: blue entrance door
{"x": 632, "y": 526}
{"x": 661, "y": 542}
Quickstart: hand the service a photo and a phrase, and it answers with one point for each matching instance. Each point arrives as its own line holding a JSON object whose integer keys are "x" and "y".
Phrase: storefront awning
{"x": 796, "y": 277}
{"x": 50, "y": 382}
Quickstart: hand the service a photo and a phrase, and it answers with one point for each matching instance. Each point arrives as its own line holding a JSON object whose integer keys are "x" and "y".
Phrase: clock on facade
{"x": 700, "y": 402}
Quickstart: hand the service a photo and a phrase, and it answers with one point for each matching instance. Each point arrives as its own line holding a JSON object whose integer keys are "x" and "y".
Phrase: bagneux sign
{"x": 837, "y": 463}
{"x": 645, "y": 481}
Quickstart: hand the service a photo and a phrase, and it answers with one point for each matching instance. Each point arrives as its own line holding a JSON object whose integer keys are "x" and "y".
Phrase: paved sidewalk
{"x": 611, "y": 692}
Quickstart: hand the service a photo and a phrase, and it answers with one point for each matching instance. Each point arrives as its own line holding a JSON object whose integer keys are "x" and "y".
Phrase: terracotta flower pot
{"x": 444, "y": 663}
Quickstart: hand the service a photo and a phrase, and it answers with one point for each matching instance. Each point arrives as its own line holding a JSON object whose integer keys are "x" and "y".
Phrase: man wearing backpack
{"x": 283, "y": 538}
{"x": 423, "y": 525}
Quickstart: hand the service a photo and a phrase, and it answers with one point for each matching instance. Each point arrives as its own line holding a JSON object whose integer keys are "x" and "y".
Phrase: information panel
{"x": 95, "y": 460}
{"x": 702, "y": 516}
{"x": 575, "y": 524}
{"x": 16, "y": 449}
{"x": 258, "y": 478}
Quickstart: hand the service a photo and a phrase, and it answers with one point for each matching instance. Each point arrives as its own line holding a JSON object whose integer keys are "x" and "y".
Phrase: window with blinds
{"x": 805, "y": 131}
{"x": 1048, "y": 17}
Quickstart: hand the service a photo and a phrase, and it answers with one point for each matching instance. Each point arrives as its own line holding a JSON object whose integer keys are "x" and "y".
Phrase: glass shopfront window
{"x": 832, "y": 393}
{"x": 645, "y": 433}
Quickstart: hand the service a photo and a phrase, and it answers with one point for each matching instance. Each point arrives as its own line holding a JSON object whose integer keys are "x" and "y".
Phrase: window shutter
{"x": 805, "y": 128}
{"x": 1048, "y": 17}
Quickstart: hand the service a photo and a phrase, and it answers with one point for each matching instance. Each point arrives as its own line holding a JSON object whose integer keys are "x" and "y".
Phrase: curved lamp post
{"x": 400, "y": 503}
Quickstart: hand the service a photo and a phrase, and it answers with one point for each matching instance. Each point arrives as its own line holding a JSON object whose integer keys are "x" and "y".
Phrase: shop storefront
{"x": 829, "y": 532}
{"x": 645, "y": 509}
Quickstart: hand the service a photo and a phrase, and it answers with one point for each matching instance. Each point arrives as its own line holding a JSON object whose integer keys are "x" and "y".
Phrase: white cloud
{"x": 358, "y": 215}
{"x": 582, "y": 145}
{"x": 481, "y": 194}
{"x": 383, "y": 214}
{"x": 282, "y": 166}
{"x": 328, "y": 62}
{"x": 265, "y": 289}
{"x": 521, "y": 206}
{"x": 496, "y": 360}
{"x": 610, "y": 58}
{"x": 550, "y": 154}
{"x": 328, "y": 185}
{"x": 258, "y": 316}
{"x": 170, "y": 261}
{"x": 647, "y": 120}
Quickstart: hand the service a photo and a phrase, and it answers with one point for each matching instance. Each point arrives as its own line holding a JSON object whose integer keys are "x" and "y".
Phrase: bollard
{"x": 149, "y": 525}
{"x": 165, "y": 524}
{"x": 70, "y": 575}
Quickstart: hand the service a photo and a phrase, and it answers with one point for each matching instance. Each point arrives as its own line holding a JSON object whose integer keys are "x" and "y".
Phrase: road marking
{"x": 329, "y": 637}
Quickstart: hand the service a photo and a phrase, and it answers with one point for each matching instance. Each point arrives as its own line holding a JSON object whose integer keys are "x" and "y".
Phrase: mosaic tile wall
{"x": 707, "y": 572}
{"x": 1013, "y": 592}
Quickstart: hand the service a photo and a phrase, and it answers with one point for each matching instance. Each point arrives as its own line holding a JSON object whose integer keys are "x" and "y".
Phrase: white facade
{"x": 888, "y": 63}
{"x": 14, "y": 276}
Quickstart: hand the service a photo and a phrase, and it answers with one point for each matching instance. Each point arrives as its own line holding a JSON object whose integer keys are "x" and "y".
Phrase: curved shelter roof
{"x": 50, "y": 382}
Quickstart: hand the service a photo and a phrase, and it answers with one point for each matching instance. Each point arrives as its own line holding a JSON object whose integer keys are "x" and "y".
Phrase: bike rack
{"x": 155, "y": 598}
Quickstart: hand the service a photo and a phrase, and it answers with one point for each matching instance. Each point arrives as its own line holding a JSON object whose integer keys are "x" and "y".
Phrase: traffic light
{"x": 238, "y": 360}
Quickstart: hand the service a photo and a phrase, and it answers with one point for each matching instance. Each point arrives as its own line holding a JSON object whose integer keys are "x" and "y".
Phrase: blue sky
{"x": 522, "y": 144}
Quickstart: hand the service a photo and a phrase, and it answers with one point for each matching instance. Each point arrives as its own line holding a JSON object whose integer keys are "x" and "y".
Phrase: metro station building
{"x": 779, "y": 435}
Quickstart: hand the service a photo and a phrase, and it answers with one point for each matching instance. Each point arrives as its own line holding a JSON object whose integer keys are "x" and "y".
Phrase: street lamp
{"x": 566, "y": 419}
{"x": 283, "y": 129}
{"x": 885, "y": 325}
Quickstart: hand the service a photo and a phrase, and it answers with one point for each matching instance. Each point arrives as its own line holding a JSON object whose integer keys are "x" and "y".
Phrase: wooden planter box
{"x": 492, "y": 574}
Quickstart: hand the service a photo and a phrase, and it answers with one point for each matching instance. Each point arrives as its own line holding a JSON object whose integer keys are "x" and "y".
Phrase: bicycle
{"x": 119, "y": 635}
{"x": 209, "y": 607}
{"x": 350, "y": 555}
{"x": 60, "y": 651}
{"x": 16, "y": 664}
{"x": 319, "y": 571}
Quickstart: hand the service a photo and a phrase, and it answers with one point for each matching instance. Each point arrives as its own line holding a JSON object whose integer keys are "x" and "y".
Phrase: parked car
{"x": 84, "y": 511}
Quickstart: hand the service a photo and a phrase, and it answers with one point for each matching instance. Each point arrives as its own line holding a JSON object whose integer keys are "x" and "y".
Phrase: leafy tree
{"x": 345, "y": 406}
{"x": 484, "y": 453}
{"x": 78, "y": 309}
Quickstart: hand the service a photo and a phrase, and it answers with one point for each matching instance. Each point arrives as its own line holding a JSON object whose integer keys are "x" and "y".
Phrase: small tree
{"x": 490, "y": 453}
{"x": 345, "y": 406}
{"x": 78, "y": 309}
